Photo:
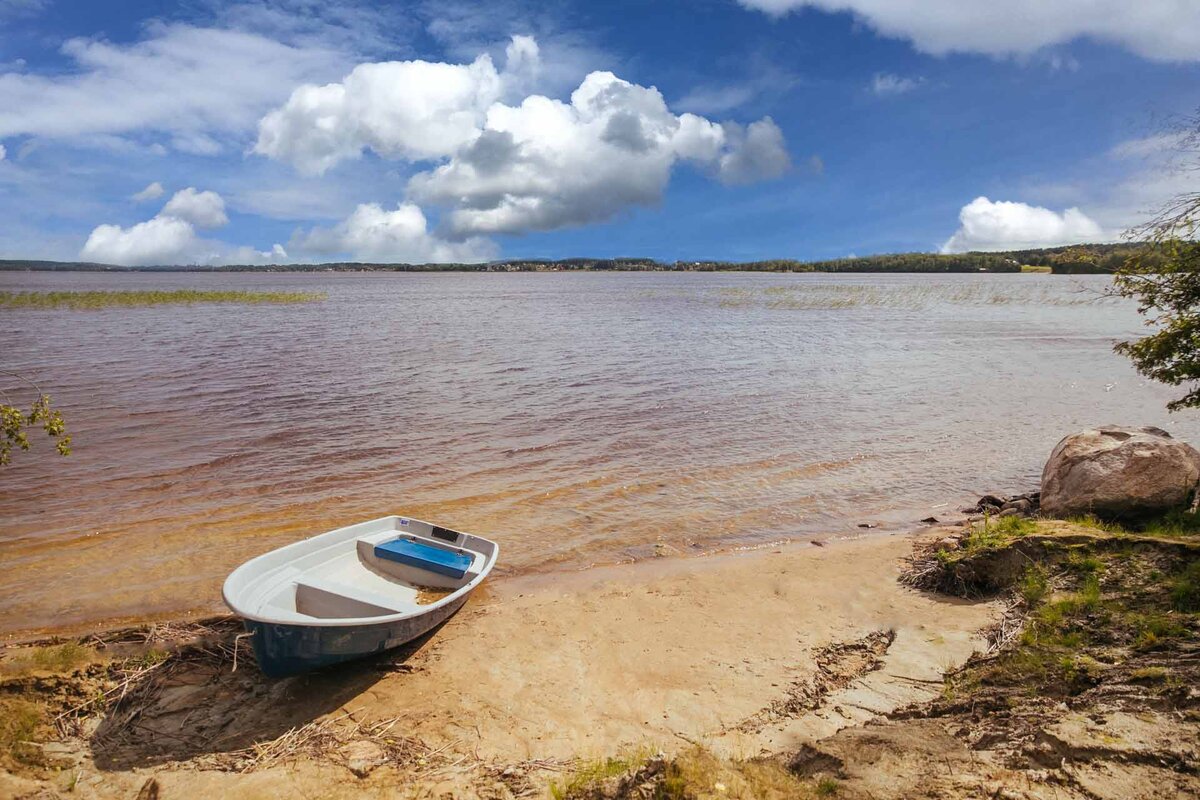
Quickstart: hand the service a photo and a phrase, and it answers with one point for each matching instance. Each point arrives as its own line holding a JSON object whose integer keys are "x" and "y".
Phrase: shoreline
{"x": 215, "y": 608}
{"x": 1034, "y": 656}
{"x": 541, "y": 668}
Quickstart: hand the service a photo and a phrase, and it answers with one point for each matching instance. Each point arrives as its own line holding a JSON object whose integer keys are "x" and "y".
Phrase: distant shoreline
{"x": 1075, "y": 259}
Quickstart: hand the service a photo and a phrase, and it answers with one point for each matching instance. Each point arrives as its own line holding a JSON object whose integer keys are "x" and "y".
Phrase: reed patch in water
{"x": 818, "y": 297}
{"x": 132, "y": 299}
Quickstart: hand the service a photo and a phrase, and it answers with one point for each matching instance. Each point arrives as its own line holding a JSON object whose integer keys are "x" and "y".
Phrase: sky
{"x": 205, "y": 132}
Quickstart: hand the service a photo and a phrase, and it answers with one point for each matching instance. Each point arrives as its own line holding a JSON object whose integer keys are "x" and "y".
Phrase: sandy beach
{"x": 539, "y": 670}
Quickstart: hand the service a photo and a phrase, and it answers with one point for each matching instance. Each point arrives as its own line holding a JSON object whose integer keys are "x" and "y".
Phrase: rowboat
{"x": 354, "y": 591}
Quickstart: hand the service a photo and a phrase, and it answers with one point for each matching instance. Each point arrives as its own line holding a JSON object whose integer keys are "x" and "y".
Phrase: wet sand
{"x": 552, "y": 667}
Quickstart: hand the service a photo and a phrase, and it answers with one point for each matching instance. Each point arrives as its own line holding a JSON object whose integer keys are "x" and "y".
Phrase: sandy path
{"x": 586, "y": 663}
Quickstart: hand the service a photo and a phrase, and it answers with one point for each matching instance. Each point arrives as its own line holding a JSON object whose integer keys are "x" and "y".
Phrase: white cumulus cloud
{"x": 170, "y": 237}
{"x": 1162, "y": 30}
{"x": 537, "y": 164}
{"x": 372, "y": 233}
{"x": 3, "y": 153}
{"x": 547, "y": 164}
{"x": 202, "y": 209}
{"x": 754, "y": 153}
{"x": 399, "y": 109}
{"x": 1004, "y": 225}
{"x": 152, "y": 192}
{"x": 158, "y": 241}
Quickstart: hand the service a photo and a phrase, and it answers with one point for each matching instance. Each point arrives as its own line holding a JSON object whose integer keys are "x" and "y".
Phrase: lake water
{"x": 577, "y": 418}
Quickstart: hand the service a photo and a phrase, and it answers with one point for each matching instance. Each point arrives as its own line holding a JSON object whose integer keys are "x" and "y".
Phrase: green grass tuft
{"x": 1149, "y": 675}
{"x": 1185, "y": 589}
{"x": 827, "y": 787}
{"x": 1092, "y": 521}
{"x": 1174, "y": 523}
{"x": 81, "y": 301}
{"x": 1034, "y": 584}
{"x": 58, "y": 659}
{"x": 589, "y": 774}
{"x": 995, "y": 532}
{"x": 1086, "y": 564}
{"x": 20, "y": 723}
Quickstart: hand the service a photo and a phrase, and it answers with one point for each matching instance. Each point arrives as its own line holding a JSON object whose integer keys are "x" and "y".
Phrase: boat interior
{"x": 375, "y": 569}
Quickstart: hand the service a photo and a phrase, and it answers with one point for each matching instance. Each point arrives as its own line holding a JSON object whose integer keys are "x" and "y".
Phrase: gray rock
{"x": 1119, "y": 473}
{"x": 1021, "y": 505}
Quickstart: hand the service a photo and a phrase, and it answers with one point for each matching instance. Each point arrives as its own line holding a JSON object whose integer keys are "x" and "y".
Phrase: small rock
{"x": 1008, "y": 512}
{"x": 949, "y": 543}
{"x": 1020, "y": 505}
{"x": 992, "y": 500}
{"x": 930, "y": 520}
{"x": 868, "y": 525}
{"x": 362, "y": 757}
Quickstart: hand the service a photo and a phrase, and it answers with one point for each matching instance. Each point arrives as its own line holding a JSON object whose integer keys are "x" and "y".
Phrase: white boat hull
{"x": 345, "y": 594}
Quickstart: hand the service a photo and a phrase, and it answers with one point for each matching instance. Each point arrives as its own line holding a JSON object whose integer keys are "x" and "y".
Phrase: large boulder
{"x": 1119, "y": 473}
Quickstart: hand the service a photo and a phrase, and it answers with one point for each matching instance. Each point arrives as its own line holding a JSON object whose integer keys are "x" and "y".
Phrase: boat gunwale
{"x": 356, "y": 622}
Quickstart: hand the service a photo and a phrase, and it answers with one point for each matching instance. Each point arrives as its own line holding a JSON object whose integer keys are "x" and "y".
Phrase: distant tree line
{"x": 1091, "y": 258}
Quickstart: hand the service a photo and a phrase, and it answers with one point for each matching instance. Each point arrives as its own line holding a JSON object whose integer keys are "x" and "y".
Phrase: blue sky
{"x": 296, "y": 130}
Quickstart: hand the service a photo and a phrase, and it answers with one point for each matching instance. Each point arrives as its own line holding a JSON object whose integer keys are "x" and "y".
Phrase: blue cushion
{"x": 424, "y": 556}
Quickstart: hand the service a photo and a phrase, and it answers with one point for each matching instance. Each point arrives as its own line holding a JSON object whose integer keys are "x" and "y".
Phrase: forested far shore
{"x": 1075, "y": 259}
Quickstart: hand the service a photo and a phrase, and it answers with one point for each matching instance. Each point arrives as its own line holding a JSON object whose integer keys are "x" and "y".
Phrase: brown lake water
{"x": 577, "y": 418}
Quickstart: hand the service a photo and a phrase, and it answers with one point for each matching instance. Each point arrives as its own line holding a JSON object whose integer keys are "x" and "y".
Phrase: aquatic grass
{"x": 735, "y": 298}
{"x": 828, "y": 296}
{"x": 90, "y": 300}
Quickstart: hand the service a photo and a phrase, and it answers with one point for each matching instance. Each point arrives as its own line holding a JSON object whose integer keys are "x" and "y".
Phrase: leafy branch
{"x": 15, "y": 424}
{"x": 1164, "y": 279}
